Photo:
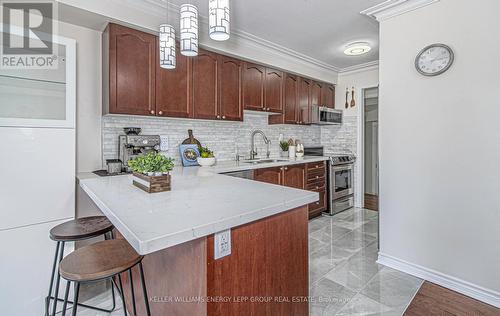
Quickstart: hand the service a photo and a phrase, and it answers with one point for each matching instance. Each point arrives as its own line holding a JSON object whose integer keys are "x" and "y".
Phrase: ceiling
{"x": 319, "y": 29}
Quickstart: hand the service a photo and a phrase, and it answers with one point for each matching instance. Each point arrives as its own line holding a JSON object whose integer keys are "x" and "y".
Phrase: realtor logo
{"x": 27, "y": 35}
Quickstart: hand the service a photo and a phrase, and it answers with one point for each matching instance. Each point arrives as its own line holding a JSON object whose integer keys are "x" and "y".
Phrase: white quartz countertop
{"x": 201, "y": 202}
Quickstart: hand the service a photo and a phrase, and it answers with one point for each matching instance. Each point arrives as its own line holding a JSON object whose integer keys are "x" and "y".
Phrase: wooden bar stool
{"x": 70, "y": 231}
{"x": 102, "y": 260}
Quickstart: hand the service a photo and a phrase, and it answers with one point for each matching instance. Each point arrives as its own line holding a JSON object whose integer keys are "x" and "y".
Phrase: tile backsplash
{"x": 227, "y": 138}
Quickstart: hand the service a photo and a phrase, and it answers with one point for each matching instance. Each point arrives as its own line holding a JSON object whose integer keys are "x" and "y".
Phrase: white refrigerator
{"x": 37, "y": 176}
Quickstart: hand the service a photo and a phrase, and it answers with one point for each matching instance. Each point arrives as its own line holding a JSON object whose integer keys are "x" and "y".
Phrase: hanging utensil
{"x": 353, "y": 103}
{"x": 346, "y": 97}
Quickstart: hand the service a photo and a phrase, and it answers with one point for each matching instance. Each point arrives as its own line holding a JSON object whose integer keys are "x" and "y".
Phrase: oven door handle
{"x": 343, "y": 167}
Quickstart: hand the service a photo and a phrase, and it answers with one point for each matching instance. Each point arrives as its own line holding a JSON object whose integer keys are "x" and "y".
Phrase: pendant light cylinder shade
{"x": 189, "y": 30}
{"x": 167, "y": 46}
{"x": 218, "y": 11}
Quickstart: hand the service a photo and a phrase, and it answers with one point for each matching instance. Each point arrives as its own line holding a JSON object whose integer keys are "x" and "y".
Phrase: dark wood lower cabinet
{"x": 266, "y": 273}
{"x": 269, "y": 175}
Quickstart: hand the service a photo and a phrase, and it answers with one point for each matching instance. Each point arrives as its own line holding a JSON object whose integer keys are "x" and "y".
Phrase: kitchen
{"x": 287, "y": 127}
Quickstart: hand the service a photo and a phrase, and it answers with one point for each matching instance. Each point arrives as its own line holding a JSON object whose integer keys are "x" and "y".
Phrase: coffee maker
{"x": 131, "y": 146}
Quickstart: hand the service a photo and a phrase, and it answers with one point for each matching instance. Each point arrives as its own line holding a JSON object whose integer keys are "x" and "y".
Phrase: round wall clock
{"x": 434, "y": 59}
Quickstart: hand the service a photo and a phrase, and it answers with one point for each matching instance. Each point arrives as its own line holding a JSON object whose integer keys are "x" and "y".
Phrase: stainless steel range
{"x": 340, "y": 180}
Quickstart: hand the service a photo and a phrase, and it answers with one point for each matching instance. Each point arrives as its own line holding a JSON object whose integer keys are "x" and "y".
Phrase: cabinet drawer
{"x": 316, "y": 187}
{"x": 320, "y": 205}
{"x": 316, "y": 173}
{"x": 315, "y": 165}
{"x": 316, "y": 179}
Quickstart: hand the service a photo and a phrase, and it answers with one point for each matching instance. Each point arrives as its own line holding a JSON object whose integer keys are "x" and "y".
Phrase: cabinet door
{"x": 328, "y": 95}
{"x": 269, "y": 175}
{"x": 316, "y": 93}
{"x": 172, "y": 88}
{"x": 273, "y": 92}
{"x": 230, "y": 104}
{"x": 253, "y": 86}
{"x": 132, "y": 62}
{"x": 304, "y": 100}
{"x": 294, "y": 176}
{"x": 291, "y": 99}
{"x": 204, "y": 91}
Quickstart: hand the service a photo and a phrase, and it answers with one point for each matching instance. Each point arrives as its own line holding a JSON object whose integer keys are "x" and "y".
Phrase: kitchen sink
{"x": 259, "y": 161}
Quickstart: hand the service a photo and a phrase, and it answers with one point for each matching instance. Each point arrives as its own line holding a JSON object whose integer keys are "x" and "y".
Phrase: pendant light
{"x": 218, "y": 19}
{"x": 167, "y": 45}
{"x": 189, "y": 30}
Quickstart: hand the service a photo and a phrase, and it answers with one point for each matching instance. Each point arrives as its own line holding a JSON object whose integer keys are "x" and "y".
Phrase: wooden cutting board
{"x": 191, "y": 139}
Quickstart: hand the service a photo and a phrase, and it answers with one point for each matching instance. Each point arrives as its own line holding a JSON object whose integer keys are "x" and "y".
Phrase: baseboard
{"x": 480, "y": 293}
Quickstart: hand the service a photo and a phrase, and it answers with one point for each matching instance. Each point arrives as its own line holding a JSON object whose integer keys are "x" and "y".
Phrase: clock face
{"x": 434, "y": 60}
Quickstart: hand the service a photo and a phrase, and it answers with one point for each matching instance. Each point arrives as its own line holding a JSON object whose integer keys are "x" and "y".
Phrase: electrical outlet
{"x": 222, "y": 244}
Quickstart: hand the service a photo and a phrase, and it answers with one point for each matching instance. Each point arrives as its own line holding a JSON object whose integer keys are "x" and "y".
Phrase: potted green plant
{"x": 151, "y": 172}
{"x": 206, "y": 157}
{"x": 284, "y": 148}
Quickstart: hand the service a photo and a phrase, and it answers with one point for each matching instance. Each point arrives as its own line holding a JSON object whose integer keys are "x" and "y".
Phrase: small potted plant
{"x": 206, "y": 158}
{"x": 284, "y": 148}
{"x": 151, "y": 172}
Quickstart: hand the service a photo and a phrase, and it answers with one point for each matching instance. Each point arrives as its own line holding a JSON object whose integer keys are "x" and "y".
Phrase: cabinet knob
{"x": 317, "y": 177}
{"x": 152, "y": 112}
{"x": 223, "y": 117}
{"x": 218, "y": 116}
{"x": 317, "y": 187}
{"x": 160, "y": 113}
{"x": 317, "y": 203}
{"x": 268, "y": 109}
{"x": 286, "y": 168}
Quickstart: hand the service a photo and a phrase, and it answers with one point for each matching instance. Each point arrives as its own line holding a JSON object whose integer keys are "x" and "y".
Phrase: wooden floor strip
{"x": 432, "y": 299}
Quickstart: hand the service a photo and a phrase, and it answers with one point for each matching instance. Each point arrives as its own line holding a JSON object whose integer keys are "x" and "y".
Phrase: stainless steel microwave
{"x": 321, "y": 115}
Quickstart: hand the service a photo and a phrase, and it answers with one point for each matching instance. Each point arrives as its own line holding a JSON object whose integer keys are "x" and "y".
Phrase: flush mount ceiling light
{"x": 218, "y": 19}
{"x": 358, "y": 48}
{"x": 189, "y": 30}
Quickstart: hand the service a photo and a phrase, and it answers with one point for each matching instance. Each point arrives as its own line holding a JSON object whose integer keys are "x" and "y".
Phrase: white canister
{"x": 291, "y": 152}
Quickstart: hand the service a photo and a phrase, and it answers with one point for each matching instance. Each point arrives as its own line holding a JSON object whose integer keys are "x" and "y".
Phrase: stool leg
{"x": 113, "y": 295}
{"x": 144, "y": 290}
{"x": 56, "y": 294}
{"x": 132, "y": 290}
{"x": 122, "y": 295}
{"x": 47, "y": 299}
{"x": 66, "y": 293}
{"x": 75, "y": 304}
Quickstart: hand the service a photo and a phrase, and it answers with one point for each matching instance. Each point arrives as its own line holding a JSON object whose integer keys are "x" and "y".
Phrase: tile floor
{"x": 344, "y": 277}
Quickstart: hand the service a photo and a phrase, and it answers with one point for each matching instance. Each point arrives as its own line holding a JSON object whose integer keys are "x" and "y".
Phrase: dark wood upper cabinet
{"x": 273, "y": 91}
{"x": 316, "y": 93}
{"x": 294, "y": 176}
{"x": 328, "y": 95}
{"x": 205, "y": 85}
{"x": 254, "y": 77}
{"x": 230, "y": 101}
{"x": 172, "y": 88}
{"x": 304, "y": 100}
{"x": 129, "y": 62}
{"x": 272, "y": 175}
{"x": 291, "y": 99}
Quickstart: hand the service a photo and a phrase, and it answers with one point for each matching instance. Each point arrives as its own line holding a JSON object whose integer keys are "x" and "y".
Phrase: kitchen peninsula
{"x": 175, "y": 231}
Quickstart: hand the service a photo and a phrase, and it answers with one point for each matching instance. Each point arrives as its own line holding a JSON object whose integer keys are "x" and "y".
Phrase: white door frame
{"x": 361, "y": 146}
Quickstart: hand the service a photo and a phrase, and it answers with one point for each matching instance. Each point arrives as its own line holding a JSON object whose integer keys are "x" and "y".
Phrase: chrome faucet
{"x": 253, "y": 149}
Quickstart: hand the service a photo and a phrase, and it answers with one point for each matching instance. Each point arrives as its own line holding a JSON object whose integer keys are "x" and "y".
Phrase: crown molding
{"x": 392, "y": 8}
{"x": 371, "y": 65}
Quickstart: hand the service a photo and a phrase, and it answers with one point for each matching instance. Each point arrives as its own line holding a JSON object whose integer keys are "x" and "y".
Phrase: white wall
{"x": 88, "y": 100}
{"x": 359, "y": 79}
{"x": 440, "y": 147}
